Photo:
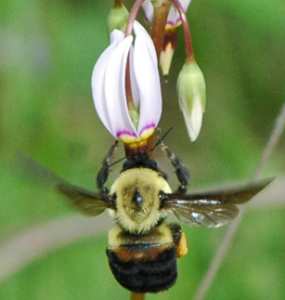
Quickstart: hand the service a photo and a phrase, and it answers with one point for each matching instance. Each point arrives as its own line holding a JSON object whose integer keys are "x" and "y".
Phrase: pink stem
{"x": 186, "y": 30}
{"x": 133, "y": 14}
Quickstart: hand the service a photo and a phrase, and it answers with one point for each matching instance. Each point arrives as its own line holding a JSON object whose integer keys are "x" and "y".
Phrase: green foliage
{"x": 47, "y": 52}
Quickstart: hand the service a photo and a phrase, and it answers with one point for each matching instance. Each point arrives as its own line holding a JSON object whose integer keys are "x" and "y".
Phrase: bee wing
{"x": 209, "y": 214}
{"x": 211, "y": 209}
{"x": 87, "y": 202}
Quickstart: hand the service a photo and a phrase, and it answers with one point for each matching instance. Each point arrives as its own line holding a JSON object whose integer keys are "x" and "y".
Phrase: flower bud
{"x": 191, "y": 90}
{"x": 117, "y": 18}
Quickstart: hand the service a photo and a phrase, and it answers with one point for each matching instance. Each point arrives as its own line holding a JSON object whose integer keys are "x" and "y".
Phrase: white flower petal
{"x": 108, "y": 86}
{"x": 193, "y": 120}
{"x": 115, "y": 93}
{"x": 116, "y": 36}
{"x": 98, "y": 78}
{"x": 173, "y": 17}
{"x": 185, "y": 4}
{"x": 147, "y": 76}
{"x": 148, "y": 11}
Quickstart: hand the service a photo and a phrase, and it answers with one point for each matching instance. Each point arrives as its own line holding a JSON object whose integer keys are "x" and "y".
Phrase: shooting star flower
{"x": 126, "y": 86}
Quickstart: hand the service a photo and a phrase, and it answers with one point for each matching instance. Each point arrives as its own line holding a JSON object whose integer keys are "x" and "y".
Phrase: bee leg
{"x": 182, "y": 172}
{"x": 179, "y": 239}
{"x": 103, "y": 173}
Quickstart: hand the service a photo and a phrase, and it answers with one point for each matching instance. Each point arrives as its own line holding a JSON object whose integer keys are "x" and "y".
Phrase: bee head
{"x": 137, "y": 193}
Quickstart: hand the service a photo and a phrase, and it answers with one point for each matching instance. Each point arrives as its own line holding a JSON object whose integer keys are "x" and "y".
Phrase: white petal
{"x": 116, "y": 36}
{"x": 193, "y": 120}
{"x": 147, "y": 76}
{"x": 115, "y": 93}
{"x": 173, "y": 16}
{"x": 98, "y": 78}
{"x": 185, "y": 4}
{"x": 148, "y": 11}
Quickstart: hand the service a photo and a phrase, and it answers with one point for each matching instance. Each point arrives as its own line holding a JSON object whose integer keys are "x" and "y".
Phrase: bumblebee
{"x": 142, "y": 248}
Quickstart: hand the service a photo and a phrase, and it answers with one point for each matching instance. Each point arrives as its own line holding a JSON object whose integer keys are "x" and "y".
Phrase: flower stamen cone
{"x": 167, "y": 51}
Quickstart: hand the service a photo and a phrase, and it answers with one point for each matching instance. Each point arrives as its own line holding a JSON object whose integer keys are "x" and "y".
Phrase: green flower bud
{"x": 191, "y": 90}
{"x": 117, "y": 18}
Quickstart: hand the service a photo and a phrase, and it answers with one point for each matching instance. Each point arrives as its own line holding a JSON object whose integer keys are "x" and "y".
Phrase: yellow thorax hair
{"x": 139, "y": 217}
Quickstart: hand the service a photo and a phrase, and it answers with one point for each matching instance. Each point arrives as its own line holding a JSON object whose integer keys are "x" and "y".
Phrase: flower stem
{"x": 186, "y": 30}
{"x": 158, "y": 26}
{"x": 136, "y": 296}
{"x": 118, "y": 3}
{"x": 132, "y": 17}
{"x": 224, "y": 246}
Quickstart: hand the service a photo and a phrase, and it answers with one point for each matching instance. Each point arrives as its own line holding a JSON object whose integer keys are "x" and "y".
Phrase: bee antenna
{"x": 160, "y": 140}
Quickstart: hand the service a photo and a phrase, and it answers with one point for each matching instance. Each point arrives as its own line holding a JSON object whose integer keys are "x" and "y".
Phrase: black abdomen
{"x": 147, "y": 270}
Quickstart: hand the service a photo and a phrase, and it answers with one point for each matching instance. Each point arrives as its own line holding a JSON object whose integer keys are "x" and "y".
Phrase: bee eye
{"x": 104, "y": 190}
{"x": 137, "y": 198}
{"x": 161, "y": 195}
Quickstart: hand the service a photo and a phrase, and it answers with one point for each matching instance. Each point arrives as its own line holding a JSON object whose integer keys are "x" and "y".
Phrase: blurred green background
{"x": 47, "y": 53}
